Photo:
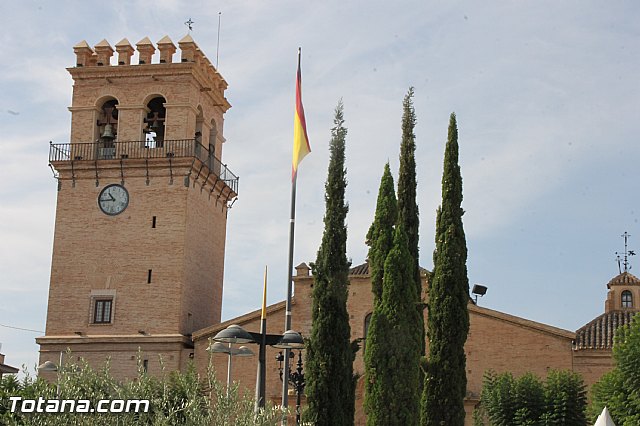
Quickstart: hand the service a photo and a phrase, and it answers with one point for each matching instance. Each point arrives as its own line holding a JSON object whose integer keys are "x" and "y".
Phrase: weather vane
{"x": 625, "y": 255}
{"x": 189, "y": 24}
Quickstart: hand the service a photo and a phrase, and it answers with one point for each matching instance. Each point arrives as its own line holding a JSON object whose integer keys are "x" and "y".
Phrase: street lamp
{"x": 219, "y": 347}
{"x": 478, "y": 290}
{"x": 296, "y": 378}
{"x": 236, "y": 334}
{"x": 51, "y": 367}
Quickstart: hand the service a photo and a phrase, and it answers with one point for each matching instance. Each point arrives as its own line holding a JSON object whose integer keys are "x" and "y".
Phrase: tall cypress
{"x": 380, "y": 235}
{"x": 407, "y": 205}
{"x": 446, "y": 382}
{"x": 380, "y": 241}
{"x": 392, "y": 354}
{"x": 330, "y": 383}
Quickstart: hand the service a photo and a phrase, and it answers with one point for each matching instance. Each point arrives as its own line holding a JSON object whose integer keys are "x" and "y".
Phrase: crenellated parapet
{"x": 147, "y": 54}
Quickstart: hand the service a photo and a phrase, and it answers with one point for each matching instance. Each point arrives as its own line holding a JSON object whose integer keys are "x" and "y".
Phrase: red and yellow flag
{"x": 300, "y": 139}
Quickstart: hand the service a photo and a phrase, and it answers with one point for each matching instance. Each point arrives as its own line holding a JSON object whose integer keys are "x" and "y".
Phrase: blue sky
{"x": 546, "y": 94}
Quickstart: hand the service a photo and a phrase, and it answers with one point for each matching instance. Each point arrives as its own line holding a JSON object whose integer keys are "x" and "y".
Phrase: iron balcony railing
{"x": 122, "y": 150}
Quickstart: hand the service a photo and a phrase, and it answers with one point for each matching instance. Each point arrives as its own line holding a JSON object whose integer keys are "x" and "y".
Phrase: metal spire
{"x": 625, "y": 256}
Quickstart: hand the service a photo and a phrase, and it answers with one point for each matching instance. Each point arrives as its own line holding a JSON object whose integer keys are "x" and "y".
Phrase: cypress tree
{"x": 393, "y": 349}
{"x": 448, "y": 321}
{"x": 407, "y": 206}
{"x": 330, "y": 384}
{"x": 380, "y": 235}
{"x": 380, "y": 242}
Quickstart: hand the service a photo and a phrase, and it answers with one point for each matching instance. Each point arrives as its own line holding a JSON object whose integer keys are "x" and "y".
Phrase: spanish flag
{"x": 300, "y": 139}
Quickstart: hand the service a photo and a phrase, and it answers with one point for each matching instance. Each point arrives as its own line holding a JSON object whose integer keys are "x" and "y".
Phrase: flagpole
{"x": 287, "y": 323}
{"x": 262, "y": 366}
{"x": 300, "y": 149}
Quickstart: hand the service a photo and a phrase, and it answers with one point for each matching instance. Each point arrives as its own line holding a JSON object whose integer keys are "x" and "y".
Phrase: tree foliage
{"x": 527, "y": 400}
{"x": 407, "y": 204}
{"x": 445, "y": 381}
{"x": 380, "y": 235}
{"x": 330, "y": 385}
{"x": 619, "y": 390}
{"x": 393, "y": 348}
{"x": 175, "y": 398}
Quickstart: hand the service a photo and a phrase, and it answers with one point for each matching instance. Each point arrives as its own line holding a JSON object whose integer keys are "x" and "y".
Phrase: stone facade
{"x": 159, "y": 263}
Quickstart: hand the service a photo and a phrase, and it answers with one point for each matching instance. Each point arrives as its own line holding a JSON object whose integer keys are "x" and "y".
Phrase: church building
{"x": 497, "y": 341}
{"x": 140, "y": 232}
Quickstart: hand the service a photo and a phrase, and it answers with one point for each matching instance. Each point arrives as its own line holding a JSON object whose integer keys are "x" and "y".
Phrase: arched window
{"x": 627, "y": 299}
{"x": 108, "y": 120}
{"x": 367, "y": 321}
{"x": 198, "y": 132}
{"x": 155, "y": 123}
{"x": 107, "y": 129}
{"x": 213, "y": 135}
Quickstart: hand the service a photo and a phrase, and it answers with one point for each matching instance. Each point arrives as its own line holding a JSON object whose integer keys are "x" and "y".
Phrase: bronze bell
{"x": 108, "y": 132}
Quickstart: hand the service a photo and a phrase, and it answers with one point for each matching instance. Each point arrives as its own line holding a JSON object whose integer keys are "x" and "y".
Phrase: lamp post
{"x": 51, "y": 367}
{"x": 236, "y": 334}
{"x": 218, "y": 347}
{"x": 296, "y": 378}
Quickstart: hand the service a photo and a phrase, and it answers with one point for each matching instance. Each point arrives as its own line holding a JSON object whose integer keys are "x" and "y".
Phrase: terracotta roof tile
{"x": 363, "y": 270}
{"x": 598, "y": 334}
{"x": 624, "y": 278}
{"x": 360, "y": 269}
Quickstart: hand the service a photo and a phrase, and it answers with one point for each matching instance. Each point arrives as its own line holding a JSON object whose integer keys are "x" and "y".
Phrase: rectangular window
{"x": 102, "y": 311}
{"x": 153, "y": 222}
{"x": 149, "y": 277}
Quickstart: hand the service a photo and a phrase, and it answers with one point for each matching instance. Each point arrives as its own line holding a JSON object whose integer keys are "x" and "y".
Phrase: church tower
{"x": 143, "y": 196}
{"x": 624, "y": 289}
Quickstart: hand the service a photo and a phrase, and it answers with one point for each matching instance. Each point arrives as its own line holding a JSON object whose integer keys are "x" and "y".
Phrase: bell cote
{"x": 147, "y": 93}
{"x": 624, "y": 293}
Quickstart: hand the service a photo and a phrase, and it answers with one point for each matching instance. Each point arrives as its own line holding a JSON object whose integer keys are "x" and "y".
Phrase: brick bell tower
{"x": 143, "y": 196}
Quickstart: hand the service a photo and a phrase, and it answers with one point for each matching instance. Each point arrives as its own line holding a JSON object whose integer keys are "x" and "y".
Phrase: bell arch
{"x": 106, "y": 125}
{"x": 154, "y": 128}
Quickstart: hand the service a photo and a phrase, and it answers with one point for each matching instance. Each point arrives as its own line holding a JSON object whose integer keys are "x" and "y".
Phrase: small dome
{"x": 624, "y": 278}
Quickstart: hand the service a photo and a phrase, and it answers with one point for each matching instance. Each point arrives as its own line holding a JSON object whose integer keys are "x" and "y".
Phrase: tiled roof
{"x": 364, "y": 270}
{"x": 7, "y": 369}
{"x": 598, "y": 334}
{"x": 360, "y": 269}
{"x": 624, "y": 278}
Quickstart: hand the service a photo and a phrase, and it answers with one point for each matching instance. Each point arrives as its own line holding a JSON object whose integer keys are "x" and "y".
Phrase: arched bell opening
{"x": 154, "y": 128}
{"x": 213, "y": 136}
{"x": 107, "y": 128}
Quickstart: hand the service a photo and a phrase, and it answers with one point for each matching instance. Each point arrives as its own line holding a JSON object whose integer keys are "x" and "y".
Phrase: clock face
{"x": 113, "y": 199}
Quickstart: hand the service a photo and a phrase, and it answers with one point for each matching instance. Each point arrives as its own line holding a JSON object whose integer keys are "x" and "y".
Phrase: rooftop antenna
{"x": 189, "y": 24}
{"x": 218, "y": 44}
{"x": 625, "y": 255}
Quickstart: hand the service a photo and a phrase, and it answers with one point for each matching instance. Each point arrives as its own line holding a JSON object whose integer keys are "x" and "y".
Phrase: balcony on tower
{"x": 147, "y": 153}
